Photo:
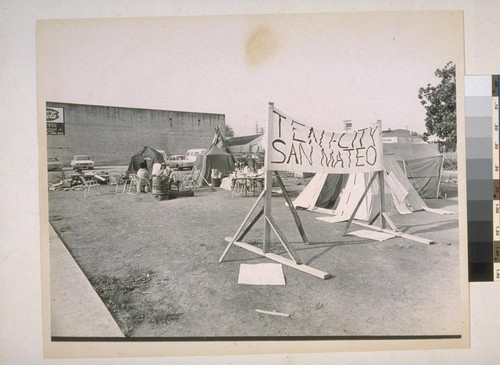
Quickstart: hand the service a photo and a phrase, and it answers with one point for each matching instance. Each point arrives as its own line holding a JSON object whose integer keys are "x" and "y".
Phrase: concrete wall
{"x": 111, "y": 135}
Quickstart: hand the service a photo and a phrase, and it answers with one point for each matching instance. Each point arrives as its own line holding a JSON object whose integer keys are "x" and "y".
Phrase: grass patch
{"x": 121, "y": 295}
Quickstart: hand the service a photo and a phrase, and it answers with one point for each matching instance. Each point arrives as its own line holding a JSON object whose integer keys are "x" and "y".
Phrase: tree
{"x": 440, "y": 104}
{"x": 229, "y": 132}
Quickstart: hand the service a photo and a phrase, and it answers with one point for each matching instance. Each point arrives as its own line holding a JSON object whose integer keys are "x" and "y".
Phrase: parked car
{"x": 53, "y": 164}
{"x": 192, "y": 154}
{"x": 82, "y": 162}
{"x": 179, "y": 162}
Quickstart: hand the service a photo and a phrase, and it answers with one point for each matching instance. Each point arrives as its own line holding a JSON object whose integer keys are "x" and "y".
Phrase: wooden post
{"x": 359, "y": 204}
{"x": 269, "y": 222}
{"x": 296, "y": 217}
{"x": 381, "y": 184}
{"x": 268, "y": 184}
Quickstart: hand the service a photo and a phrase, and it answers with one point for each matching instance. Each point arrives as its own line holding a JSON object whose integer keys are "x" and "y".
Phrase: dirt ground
{"x": 155, "y": 265}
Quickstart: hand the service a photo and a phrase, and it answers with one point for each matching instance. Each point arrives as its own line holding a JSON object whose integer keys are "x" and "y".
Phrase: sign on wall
{"x": 298, "y": 147}
{"x": 390, "y": 140}
{"x": 55, "y": 121}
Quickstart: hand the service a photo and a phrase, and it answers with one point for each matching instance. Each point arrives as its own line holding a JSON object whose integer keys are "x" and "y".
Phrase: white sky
{"x": 321, "y": 69}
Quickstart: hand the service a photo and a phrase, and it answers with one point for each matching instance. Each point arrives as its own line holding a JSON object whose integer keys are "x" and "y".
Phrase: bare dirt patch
{"x": 155, "y": 266}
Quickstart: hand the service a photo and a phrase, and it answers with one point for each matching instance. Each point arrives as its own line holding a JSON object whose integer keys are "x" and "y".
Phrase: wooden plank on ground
{"x": 398, "y": 234}
{"x": 272, "y": 313}
{"x": 301, "y": 267}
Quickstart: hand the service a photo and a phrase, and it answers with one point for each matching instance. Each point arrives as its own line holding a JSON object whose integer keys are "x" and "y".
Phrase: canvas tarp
{"x": 422, "y": 164}
{"x": 148, "y": 155}
{"x": 338, "y": 194}
{"x": 214, "y": 158}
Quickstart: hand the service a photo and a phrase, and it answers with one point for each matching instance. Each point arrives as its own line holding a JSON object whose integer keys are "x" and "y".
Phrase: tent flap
{"x": 342, "y": 192}
{"x": 422, "y": 164}
{"x": 214, "y": 158}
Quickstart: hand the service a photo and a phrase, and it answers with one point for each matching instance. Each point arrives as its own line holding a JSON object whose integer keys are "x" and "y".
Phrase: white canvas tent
{"x": 338, "y": 194}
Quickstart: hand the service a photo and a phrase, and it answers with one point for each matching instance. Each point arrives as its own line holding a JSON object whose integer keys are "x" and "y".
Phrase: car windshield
{"x": 81, "y": 158}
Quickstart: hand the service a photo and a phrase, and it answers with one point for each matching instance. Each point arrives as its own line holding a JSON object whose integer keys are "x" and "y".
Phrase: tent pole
{"x": 439, "y": 177}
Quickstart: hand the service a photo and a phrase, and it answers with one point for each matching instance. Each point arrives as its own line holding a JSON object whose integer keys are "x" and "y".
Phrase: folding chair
{"x": 188, "y": 182}
{"x": 240, "y": 187}
{"x": 191, "y": 181}
{"x": 136, "y": 182}
{"x": 117, "y": 180}
{"x": 88, "y": 184}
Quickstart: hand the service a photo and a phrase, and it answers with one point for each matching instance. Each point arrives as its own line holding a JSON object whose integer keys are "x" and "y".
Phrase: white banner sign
{"x": 301, "y": 148}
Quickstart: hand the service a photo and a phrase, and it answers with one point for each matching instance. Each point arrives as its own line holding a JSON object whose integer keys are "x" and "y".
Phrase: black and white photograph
{"x": 290, "y": 180}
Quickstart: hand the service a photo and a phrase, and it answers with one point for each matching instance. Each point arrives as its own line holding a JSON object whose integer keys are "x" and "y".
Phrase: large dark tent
{"x": 422, "y": 163}
{"x": 148, "y": 155}
{"x": 214, "y": 158}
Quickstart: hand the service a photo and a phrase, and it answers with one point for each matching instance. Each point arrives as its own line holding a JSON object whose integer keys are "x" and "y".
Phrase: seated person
{"x": 246, "y": 169}
{"x": 143, "y": 175}
{"x": 164, "y": 174}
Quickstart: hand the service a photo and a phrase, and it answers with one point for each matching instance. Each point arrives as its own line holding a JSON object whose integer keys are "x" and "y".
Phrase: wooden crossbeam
{"x": 242, "y": 225}
{"x": 250, "y": 225}
{"x": 280, "y": 259}
{"x": 296, "y": 217}
{"x": 283, "y": 240}
{"x": 385, "y": 219}
{"x": 396, "y": 233}
{"x": 390, "y": 222}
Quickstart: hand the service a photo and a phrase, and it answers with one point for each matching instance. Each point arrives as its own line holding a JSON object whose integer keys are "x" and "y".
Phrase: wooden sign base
{"x": 270, "y": 223}
{"x": 383, "y": 215}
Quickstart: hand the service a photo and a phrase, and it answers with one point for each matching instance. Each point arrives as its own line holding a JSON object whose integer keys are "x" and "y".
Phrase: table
{"x": 246, "y": 184}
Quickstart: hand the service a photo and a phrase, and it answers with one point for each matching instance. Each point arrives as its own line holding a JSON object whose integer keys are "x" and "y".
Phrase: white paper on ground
{"x": 373, "y": 235}
{"x": 261, "y": 274}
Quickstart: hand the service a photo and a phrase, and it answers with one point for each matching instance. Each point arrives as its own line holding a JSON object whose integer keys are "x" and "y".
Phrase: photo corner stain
{"x": 260, "y": 45}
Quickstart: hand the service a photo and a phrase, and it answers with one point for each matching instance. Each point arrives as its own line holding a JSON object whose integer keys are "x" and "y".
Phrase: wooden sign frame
{"x": 271, "y": 225}
{"x": 269, "y": 222}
